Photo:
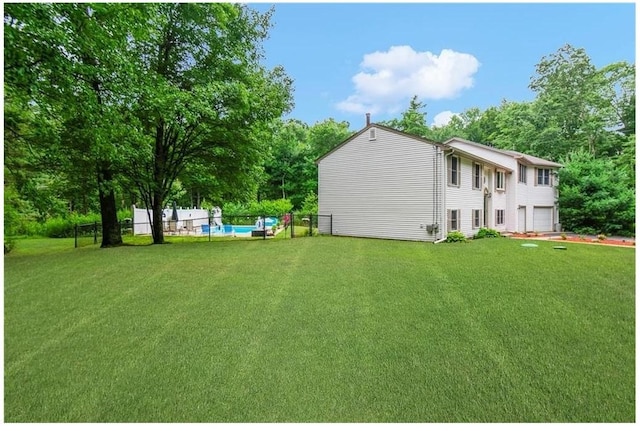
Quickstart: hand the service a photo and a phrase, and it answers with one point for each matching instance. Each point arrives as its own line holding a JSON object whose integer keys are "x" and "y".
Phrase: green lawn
{"x": 320, "y": 329}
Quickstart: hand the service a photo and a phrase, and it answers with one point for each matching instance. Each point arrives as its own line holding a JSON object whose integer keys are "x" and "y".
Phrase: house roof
{"x": 479, "y": 159}
{"x": 521, "y": 157}
{"x": 379, "y": 126}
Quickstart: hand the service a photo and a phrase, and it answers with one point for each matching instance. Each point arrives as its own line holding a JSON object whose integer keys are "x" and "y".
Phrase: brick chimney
{"x": 368, "y": 118}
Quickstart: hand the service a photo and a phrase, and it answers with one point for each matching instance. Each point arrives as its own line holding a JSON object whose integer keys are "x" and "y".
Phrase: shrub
{"x": 487, "y": 233}
{"x": 9, "y": 244}
{"x": 456, "y": 236}
{"x": 58, "y": 227}
{"x": 63, "y": 227}
{"x": 310, "y": 204}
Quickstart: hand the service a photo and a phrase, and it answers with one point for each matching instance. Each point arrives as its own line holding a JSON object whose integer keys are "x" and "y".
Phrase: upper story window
{"x": 522, "y": 173}
{"x": 500, "y": 181}
{"x": 477, "y": 176}
{"x": 543, "y": 177}
{"x": 453, "y": 171}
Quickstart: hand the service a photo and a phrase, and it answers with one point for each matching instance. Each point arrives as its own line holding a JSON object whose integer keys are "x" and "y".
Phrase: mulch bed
{"x": 584, "y": 240}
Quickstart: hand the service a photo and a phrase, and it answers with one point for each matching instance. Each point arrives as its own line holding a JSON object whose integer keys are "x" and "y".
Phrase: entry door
{"x": 522, "y": 219}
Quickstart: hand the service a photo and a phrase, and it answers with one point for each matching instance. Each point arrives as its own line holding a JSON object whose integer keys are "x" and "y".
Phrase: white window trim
{"x": 473, "y": 218}
{"x": 372, "y": 134}
{"x": 550, "y": 184}
{"x": 450, "y": 227}
{"x": 503, "y": 174}
{"x": 479, "y": 177}
{"x": 450, "y": 169}
{"x": 498, "y": 223}
{"x": 522, "y": 178}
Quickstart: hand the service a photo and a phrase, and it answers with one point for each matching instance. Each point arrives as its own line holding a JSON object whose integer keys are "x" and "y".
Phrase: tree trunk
{"x": 157, "y": 228}
{"x": 157, "y": 196}
{"x": 111, "y": 235}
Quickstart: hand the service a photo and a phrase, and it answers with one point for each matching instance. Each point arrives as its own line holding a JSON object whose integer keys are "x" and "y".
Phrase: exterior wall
{"x": 529, "y": 196}
{"x": 516, "y": 194}
{"x": 464, "y": 198}
{"x": 382, "y": 188}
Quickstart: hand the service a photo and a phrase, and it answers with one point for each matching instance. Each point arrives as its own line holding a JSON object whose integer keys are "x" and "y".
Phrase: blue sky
{"x": 350, "y": 58}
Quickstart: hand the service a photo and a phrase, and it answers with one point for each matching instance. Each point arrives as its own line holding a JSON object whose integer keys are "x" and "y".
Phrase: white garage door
{"x": 543, "y": 219}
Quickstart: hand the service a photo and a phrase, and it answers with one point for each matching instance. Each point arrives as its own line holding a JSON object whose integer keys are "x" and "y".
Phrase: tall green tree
{"x": 413, "y": 120}
{"x": 284, "y": 164}
{"x": 71, "y": 62}
{"x": 573, "y": 98}
{"x": 594, "y": 195}
{"x": 204, "y": 96}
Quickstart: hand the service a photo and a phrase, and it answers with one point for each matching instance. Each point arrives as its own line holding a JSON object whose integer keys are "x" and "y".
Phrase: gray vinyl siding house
{"x": 380, "y": 183}
{"x": 383, "y": 183}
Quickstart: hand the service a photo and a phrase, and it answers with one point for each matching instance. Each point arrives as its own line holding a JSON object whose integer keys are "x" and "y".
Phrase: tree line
{"x": 108, "y": 105}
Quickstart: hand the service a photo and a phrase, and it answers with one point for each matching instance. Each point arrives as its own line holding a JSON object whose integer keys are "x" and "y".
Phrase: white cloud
{"x": 443, "y": 118}
{"x": 388, "y": 79}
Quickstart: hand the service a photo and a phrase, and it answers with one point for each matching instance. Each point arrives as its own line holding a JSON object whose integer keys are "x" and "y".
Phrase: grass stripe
{"x": 320, "y": 330}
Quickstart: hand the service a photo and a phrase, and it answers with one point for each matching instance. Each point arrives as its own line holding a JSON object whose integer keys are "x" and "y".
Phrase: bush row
{"x": 56, "y": 227}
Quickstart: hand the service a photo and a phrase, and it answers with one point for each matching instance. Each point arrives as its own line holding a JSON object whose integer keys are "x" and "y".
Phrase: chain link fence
{"x": 240, "y": 226}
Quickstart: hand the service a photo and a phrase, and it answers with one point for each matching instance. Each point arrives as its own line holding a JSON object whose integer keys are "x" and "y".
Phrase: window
{"x": 499, "y": 180}
{"x": 477, "y": 217}
{"x": 522, "y": 173}
{"x": 499, "y": 217}
{"x": 372, "y": 134}
{"x": 543, "y": 177}
{"x": 477, "y": 176}
{"x": 453, "y": 217}
{"x": 453, "y": 171}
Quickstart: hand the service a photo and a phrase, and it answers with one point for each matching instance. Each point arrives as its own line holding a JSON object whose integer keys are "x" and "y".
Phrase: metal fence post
{"x": 310, "y": 224}
{"x": 75, "y": 235}
{"x": 331, "y": 224}
{"x": 95, "y": 232}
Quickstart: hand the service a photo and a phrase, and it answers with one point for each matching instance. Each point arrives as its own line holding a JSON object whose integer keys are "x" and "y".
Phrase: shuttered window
{"x": 453, "y": 171}
{"x": 476, "y": 218}
{"x": 477, "y": 176}
{"x": 522, "y": 173}
{"x": 499, "y": 180}
{"x": 543, "y": 177}
{"x": 453, "y": 220}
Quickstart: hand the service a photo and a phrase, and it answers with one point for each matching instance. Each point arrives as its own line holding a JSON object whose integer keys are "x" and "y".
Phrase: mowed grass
{"x": 321, "y": 329}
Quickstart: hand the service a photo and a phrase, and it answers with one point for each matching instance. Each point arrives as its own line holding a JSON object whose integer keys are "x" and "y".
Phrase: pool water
{"x": 238, "y": 228}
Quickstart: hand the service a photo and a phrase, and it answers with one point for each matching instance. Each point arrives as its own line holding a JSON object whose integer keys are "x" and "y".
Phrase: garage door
{"x": 543, "y": 219}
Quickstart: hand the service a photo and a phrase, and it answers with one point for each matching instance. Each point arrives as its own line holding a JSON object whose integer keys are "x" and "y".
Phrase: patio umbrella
{"x": 174, "y": 214}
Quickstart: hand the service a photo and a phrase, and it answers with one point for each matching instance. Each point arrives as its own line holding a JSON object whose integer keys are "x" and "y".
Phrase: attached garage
{"x": 543, "y": 219}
